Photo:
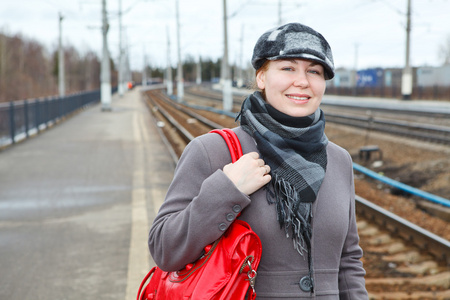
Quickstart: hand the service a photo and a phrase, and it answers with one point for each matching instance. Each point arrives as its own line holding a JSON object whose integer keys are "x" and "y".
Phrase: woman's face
{"x": 294, "y": 87}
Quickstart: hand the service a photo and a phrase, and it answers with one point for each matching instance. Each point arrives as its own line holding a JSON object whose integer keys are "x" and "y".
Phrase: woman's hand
{"x": 249, "y": 173}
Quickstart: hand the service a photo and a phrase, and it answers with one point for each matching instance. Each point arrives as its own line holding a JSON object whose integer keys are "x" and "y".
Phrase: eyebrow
{"x": 311, "y": 64}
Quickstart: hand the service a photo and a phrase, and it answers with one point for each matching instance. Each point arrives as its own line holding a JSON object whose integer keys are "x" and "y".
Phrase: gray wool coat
{"x": 201, "y": 201}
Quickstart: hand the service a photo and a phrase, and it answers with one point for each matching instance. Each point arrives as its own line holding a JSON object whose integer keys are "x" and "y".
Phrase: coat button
{"x": 306, "y": 284}
{"x": 222, "y": 226}
{"x": 230, "y": 217}
{"x": 237, "y": 208}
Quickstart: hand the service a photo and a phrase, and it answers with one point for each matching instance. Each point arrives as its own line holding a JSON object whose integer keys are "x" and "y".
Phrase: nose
{"x": 301, "y": 80}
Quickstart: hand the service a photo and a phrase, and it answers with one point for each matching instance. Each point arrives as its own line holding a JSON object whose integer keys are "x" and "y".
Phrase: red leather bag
{"x": 226, "y": 270}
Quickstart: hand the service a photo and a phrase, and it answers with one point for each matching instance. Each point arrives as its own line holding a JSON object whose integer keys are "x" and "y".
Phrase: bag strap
{"x": 139, "y": 297}
{"x": 232, "y": 142}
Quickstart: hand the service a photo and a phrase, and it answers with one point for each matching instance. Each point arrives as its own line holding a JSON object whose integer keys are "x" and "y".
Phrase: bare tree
{"x": 28, "y": 70}
{"x": 444, "y": 50}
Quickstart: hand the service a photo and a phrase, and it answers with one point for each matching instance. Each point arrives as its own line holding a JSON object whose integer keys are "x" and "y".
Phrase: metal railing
{"x": 23, "y": 118}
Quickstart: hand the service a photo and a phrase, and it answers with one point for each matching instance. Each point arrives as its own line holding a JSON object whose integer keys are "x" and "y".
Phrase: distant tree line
{"x": 29, "y": 70}
{"x": 209, "y": 70}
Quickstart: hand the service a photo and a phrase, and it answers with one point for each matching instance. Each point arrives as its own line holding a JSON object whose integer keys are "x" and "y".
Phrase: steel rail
{"x": 440, "y": 134}
{"x": 187, "y": 136}
{"x": 191, "y": 113}
{"x": 408, "y": 231}
{"x": 433, "y": 112}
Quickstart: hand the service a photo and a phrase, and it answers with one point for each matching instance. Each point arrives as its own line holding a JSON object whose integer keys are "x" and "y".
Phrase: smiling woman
{"x": 292, "y": 186}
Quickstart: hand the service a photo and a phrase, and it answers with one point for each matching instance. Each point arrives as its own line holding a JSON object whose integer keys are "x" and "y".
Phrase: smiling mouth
{"x": 298, "y": 98}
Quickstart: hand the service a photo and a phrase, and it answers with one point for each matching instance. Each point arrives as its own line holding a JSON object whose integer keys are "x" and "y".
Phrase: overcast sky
{"x": 368, "y": 33}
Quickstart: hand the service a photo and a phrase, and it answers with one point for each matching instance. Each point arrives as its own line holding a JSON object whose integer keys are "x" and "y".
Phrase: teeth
{"x": 298, "y": 98}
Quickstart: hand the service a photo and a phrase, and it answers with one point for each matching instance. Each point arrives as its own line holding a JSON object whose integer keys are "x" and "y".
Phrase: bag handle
{"x": 139, "y": 296}
{"x": 232, "y": 142}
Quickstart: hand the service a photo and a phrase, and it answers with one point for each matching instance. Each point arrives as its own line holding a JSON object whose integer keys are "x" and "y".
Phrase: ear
{"x": 260, "y": 80}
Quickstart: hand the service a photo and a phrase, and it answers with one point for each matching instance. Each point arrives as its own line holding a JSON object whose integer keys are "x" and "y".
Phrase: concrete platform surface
{"x": 76, "y": 204}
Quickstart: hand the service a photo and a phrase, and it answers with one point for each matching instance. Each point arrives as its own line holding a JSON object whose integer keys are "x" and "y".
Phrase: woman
{"x": 292, "y": 186}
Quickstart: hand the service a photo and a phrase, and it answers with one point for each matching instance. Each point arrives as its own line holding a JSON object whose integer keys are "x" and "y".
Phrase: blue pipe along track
{"x": 402, "y": 186}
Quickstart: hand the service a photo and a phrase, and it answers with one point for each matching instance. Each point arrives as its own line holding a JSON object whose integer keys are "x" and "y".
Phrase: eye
{"x": 315, "y": 71}
{"x": 287, "y": 69}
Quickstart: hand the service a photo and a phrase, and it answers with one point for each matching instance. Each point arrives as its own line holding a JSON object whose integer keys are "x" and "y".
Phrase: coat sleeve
{"x": 351, "y": 271}
{"x": 200, "y": 204}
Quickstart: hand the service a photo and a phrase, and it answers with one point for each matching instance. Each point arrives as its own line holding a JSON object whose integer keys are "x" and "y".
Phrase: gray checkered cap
{"x": 294, "y": 40}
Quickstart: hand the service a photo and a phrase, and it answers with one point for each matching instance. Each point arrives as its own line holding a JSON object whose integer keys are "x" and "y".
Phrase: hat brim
{"x": 329, "y": 72}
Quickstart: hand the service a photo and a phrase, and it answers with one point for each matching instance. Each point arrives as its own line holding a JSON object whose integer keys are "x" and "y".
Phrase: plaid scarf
{"x": 295, "y": 150}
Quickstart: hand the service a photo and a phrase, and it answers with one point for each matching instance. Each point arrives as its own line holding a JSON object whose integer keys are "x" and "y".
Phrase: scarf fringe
{"x": 294, "y": 219}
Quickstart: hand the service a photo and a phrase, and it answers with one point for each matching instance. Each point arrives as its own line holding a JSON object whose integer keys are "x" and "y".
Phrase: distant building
{"x": 433, "y": 76}
{"x": 343, "y": 78}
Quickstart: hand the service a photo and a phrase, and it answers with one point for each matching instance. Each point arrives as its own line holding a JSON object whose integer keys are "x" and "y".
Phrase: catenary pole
{"x": 199, "y": 70}
{"x": 226, "y": 90}
{"x": 120, "y": 75}
{"x": 61, "y": 75}
{"x": 105, "y": 90}
{"x": 240, "y": 79}
{"x": 407, "y": 81}
{"x": 280, "y": 21}
{"x": 355, "y": 71}
{"x": 169, "y": 83}
{"x": 180, "y": 84}
{"x": 144, "y": 69}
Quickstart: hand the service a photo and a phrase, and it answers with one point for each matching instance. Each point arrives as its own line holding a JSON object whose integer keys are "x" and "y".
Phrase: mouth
{"x": 300, "y": 98}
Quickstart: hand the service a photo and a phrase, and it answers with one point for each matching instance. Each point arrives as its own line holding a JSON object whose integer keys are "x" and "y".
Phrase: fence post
{"x": 36, "y": 114}
{"x": 25, "y": 111}
{"x": 47, "y": 112}
{"x": 12, "y": 122}
{"x": 60, "y": 107}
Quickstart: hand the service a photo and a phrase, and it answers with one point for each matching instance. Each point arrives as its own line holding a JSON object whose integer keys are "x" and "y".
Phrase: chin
{"x": 301, "y": 113}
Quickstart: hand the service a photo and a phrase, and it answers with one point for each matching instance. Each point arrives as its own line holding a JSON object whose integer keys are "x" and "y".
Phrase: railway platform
{"x": 76, "y": 204}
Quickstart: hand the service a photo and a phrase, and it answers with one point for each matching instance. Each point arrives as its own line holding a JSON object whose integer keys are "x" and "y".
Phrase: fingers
{"x": 249, "y": 173}
{"x": 259, "y": 162}
{"x": 254, "y": 155}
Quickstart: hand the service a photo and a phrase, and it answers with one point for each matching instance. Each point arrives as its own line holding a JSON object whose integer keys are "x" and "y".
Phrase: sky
{"x": 362, "y": 33}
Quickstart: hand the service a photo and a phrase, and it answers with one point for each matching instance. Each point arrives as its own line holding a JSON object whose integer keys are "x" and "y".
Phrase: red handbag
{"x": 226, "y": 270}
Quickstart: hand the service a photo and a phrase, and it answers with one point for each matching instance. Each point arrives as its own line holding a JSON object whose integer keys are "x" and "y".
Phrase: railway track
{"x": 403, "y": 261}
{"x": 427, "y": 132}
{"x": 404, "y": 124}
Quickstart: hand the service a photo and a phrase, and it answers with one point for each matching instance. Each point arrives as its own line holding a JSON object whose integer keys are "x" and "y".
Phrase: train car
{"x": 343, "y": 78}
{"x": 370, "y": 77}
